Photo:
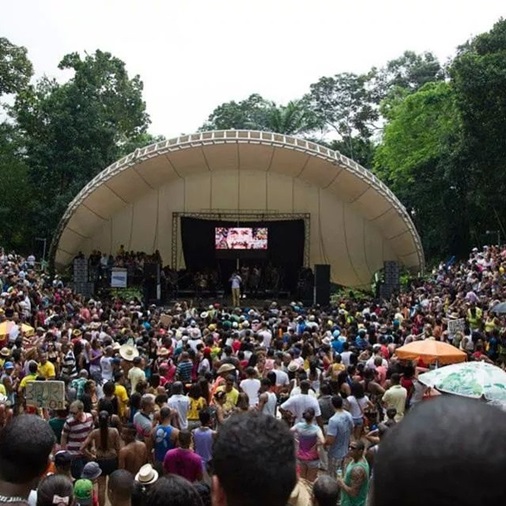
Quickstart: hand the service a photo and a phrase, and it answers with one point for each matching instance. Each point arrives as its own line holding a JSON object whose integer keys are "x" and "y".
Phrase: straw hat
{"x": 163, "y": 352}
{"x": 226, "y": 368}
{"x": 5, "y": 352}
{"x": 128, "y": 352}
{"x": 301, "y": 494}
{"x": 146, "y": 475}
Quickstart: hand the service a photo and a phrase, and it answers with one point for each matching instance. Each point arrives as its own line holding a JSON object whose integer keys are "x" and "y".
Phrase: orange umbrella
{"x": 431, "y": 351}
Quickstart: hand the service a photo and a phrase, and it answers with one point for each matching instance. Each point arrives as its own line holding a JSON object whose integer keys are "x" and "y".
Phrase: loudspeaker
{"x": 322, "y": 284}
{"x": 151, "y": 270}
{"x": 80, "y": 270}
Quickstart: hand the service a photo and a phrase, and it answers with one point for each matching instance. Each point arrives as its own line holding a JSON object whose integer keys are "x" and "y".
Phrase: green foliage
{"x": 72, "y": 131}
{"x": 15, "y": 68}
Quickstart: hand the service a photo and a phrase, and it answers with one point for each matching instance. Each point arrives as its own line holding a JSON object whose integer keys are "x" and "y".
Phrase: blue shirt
{"x": 341, "y": 427}
{"x": 163, "y": 441}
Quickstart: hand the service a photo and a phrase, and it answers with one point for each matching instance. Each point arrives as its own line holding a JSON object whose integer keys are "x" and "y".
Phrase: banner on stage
{"x": 118, "y": 278}
{"x": 46, "y": 394}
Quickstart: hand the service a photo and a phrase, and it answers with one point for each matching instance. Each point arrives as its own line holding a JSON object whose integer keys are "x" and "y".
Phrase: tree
{"x": 343, "y": 105}
{"x": 17, "y": 193}
{"x": 405, "y": 74}
{"x": 15, "y": 67}
{"x": 419, "y": 158}
{"x": 72, "y": 131}
{"x": 249, "y": 114}
{"x": 479, "y": 78}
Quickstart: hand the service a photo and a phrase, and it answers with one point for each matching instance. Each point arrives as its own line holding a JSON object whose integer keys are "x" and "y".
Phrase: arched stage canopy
{"x": 356, "y": 222}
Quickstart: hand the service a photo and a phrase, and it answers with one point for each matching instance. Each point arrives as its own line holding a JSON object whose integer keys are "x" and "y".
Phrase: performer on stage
{"x": 236, "y": 281}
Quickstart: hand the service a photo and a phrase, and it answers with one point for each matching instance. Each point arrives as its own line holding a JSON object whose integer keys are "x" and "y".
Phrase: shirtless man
{"x": 134, "y": 454}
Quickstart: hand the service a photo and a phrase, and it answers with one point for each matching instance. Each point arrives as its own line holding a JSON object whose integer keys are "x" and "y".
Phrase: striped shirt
{"x": 184, "y": 371}
{"x": 69, "y": 365}
{"x": 77, "y": 431}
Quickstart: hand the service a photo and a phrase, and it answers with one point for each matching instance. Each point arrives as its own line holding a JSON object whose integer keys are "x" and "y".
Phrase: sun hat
{"x": 301, "y": 495}
{"x": 91, "y": 471}
{"x": 293, "y": 366}
{"x": 83, "y": 491}
{"x": 226, "y": 368}
{"x": 146, "y": 475}
{"x": 128, "y": 352}
{"x": 5, "y": 352}
{"x": 163, "y": 352}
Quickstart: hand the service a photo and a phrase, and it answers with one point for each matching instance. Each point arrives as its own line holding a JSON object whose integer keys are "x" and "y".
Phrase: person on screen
{"x": 235, "y": 283}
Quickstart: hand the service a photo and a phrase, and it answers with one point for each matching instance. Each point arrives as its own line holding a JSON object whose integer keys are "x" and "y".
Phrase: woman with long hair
{"x": 103, "y": 445}
{"x": 359, "y": 405}
{"x": 55, "y": 490}
{"x": 309, "y": 437}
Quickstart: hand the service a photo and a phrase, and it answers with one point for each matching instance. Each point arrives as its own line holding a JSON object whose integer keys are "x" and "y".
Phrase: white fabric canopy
{"x": 356, "y": 221}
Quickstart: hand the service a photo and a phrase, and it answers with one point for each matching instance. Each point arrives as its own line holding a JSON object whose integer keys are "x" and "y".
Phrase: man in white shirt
{"x": 296, "y": 405}
{"x": 251, "y": 386}
{"x": 180, "y": 403}
{"x": 266, "y": 335}
{"x": 106, "y": 364}
{"x": 236, "y": 281}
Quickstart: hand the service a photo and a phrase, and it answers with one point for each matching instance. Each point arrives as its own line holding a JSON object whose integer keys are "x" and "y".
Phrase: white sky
{"x": 195, "y": 55}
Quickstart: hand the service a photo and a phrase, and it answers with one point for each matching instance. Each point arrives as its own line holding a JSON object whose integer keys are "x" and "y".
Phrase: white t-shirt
{"x": 282, "y": 378}
{"x": 106, "y": 366}
{"x": 267, "y": 338}
{"x": 236, "y": 281}
{"x": 299, "y": 403}
{"x": 251, "y": 388}
{"x": 181, "y": 404}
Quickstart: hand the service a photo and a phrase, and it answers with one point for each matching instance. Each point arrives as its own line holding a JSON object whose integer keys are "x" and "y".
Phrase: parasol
{"x": 431, "y": 351}
{"x": 471, "y": 379}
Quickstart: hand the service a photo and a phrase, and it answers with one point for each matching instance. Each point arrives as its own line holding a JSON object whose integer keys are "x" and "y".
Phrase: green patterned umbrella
{"x": 469, "y": 379}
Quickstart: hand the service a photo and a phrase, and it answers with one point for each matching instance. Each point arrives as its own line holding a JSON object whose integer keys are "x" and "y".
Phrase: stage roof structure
{"x": 357, "y": 223}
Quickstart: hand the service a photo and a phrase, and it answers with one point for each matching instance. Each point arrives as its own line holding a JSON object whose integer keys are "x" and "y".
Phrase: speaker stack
{"x": 322, "y": 284}
{"x": 391, "y": 282}
{"x": 81, "y": 283}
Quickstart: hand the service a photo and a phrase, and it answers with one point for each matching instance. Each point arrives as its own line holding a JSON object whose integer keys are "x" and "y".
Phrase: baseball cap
{"x": 83, "y": 491}
{"x": 8, "y": 365}
{"x": 62, "y": 458}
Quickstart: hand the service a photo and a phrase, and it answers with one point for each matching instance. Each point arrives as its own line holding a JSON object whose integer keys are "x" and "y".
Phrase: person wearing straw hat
{"x": 147, "y": 475}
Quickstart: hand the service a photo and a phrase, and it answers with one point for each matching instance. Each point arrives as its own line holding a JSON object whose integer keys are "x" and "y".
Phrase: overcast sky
{"x": 194, "y": 55}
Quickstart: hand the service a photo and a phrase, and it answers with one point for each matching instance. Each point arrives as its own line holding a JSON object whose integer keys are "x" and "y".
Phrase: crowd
{"x": 242, "y": 405}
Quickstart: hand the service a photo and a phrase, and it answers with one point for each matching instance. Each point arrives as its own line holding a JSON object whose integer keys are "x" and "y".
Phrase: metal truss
{"x": 217, "y": 137}
{"x": 239, "y": 216}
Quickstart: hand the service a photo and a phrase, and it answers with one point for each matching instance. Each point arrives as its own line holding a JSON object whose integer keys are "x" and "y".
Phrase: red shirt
{"x": 185, "y": 463}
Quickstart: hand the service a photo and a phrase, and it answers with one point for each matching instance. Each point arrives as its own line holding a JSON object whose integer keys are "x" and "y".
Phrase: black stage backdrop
{"x": 285, "y": 247}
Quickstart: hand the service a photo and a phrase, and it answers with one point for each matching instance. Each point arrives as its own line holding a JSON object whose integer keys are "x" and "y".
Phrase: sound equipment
{"x": 80, "y": 270}
{"x": 322, "y": 284}
{"x": 391, "y": 279}
{"x": 151, "y": 283}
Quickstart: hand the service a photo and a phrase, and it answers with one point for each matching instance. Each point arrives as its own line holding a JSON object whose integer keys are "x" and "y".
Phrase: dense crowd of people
{"x": 271, "y": 404}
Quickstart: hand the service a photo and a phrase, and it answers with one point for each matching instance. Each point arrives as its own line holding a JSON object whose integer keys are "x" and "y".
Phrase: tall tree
{"x": 248, "y": 114}
{"x": 15, "y": 68}
{"x": 419, "y": 159}
{"x": 479, "y": 78}
{"x": 343, "y": 105}
{"x": 73, "y": 130}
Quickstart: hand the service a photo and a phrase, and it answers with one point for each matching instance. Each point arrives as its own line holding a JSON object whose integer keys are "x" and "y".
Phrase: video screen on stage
{"x": 240, "y": 238}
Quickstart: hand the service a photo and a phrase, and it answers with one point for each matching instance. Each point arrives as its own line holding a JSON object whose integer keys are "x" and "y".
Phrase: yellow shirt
{"x": 196, "y": 405}
{"x": 232, "y": 398}
{"x": 121, "y": 393}
{"x": 47, "y": 370}
{"x": 27, "y": 379}
{"x": 2, "y": 390}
